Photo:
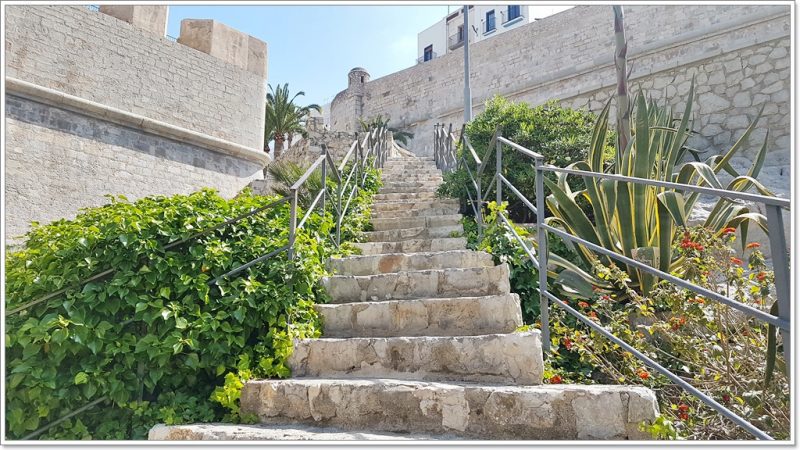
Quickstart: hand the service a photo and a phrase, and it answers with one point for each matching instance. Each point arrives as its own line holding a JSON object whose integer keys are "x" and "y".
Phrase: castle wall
{"x": 739, "y": 53}
{"x": 97, "y": 105}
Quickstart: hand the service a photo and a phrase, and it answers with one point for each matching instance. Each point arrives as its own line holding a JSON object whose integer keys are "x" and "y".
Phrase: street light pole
{"x": 467, "y": 91}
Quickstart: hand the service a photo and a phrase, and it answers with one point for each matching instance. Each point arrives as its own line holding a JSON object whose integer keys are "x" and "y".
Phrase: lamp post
{"x": 467, "y": 91}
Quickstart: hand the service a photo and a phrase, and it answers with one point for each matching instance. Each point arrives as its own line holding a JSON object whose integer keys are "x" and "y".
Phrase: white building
{"x": 485, "y": 21}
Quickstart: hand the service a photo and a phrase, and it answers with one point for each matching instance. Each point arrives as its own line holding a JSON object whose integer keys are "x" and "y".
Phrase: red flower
{"x": 567, "y": 344}
{"x": 736, "y": 260}
{"x": 583, "y": 304}
{"x": 592, "y": 315}
{"x": 753, "y": 245}
{"x": 683, "y": 407}
{"x": 726, "y": 398}
{"x": 555, "y": 379}
{"x": 683, "y": 416}
{"x": 761, "y": 276}
{"x": 605, "y": 298}
{"x": 729, "y": 230}
{"x": 643, "y": 374}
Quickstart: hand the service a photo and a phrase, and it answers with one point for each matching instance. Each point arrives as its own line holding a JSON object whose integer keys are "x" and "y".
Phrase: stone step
{"x": 412, "y": 245}
{"x": 404, "y": 234}
{"x": 391, "y": 188}
{"x": 396, "y": 262}
{"x": 412, "y": 179}
{"x": 397, "y": 196}
{"x": 513, "y": 358}
{"x": 421, "y": 210}
{"x": 237, "y": 432}
{"x": 435, "y": 283}
{"x": 404, "y": 222}
{"x": 472, "y": 410}
{"x": 413, "y": 204}
{"x": 458, "y": 316}
{"x": 415, "y": 171}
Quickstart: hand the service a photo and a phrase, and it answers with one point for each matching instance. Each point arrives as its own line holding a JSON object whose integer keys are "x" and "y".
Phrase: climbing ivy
{"x": 154, "y": 337}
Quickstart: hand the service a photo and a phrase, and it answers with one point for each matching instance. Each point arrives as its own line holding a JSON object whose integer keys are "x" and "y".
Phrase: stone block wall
{"x": 739, "y": 54}
{"x": 97, "y": 105}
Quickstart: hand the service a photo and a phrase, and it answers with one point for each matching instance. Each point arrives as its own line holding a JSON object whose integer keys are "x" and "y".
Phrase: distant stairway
{"x": 419, "y": 342}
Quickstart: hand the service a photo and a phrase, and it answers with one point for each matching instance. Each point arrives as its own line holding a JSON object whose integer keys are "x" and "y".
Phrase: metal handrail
{"x": 777, "y": 241}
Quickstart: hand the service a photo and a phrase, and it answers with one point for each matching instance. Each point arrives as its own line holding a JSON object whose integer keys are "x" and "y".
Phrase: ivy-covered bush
{"x": 562, "y": 135}
{"x": 156, "y": 337}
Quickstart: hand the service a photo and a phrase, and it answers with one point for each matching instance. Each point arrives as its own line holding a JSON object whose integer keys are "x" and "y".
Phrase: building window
{"x": 513, "y": 12}
{"x": 490, "y": 21}
{"x": 428, "y": 53}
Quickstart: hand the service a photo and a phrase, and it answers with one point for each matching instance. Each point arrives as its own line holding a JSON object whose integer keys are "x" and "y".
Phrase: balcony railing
{"x": 456, "y": 40}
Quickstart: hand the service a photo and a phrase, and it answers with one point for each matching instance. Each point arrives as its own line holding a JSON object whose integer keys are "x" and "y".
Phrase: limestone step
{"x": 237, "y": 432}
{"x": 419, "y": 210}
{"x": 482, "y": 411}
{"x": 437, "y": 283}
{"x": 513, "y": 358}
{"x": 396, "y": 196}
{"x": 404, "y": 205}
{"x": 404, "y": 234}
{"x": 396, "y": 262}
{"x": 412, "y": 245}
{"x": 458, "y": 316}
{"x": 405, "y": 222}
{"x": 391, "y": 188}
{"x": 401, "y": 171}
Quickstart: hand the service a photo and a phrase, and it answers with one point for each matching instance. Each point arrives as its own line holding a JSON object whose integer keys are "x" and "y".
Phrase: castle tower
{"x": 357, "y": 80}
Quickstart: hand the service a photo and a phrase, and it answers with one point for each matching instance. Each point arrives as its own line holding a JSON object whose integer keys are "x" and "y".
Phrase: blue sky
{"x": 313, "y": 47}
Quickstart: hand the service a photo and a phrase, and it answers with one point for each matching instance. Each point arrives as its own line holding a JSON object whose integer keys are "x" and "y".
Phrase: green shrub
{"x": 561, "y": 134}
{"x": 155, "y": 334}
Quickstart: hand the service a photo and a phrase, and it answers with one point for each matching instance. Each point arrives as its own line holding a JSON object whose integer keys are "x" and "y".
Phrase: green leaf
{"x": 181, "y": 323}
{"x": 81, "y": 378}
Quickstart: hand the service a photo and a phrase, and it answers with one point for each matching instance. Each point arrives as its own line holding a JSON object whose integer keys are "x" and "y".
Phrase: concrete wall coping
{"x": 80, "y": 105}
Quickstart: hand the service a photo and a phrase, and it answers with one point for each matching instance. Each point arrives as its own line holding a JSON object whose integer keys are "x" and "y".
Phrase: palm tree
{"x": 379, "y": 122}
{"x": 284, "y": 119}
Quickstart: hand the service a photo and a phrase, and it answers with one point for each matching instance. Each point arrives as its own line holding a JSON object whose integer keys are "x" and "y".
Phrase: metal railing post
{"x": 436, "y": 145}
{"x": 324, "y": 178}
{"x": 541, "y": 237}
{"x": 499, "y": 168}
{"x": 780, "y": 266}
{"x": 292, "y": 223}
{"x": 449, "y": 145}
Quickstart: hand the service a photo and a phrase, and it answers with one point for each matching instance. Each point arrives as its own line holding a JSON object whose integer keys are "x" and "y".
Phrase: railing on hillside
{"x": 373, "y": 148}
{"x": 445, "y": 154}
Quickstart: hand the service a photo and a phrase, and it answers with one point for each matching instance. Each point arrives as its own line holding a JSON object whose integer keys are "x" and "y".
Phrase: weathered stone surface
{"x": 150, "y": 18}
{"x": 468, "y": 282}
{"x": 389, "y": 188}
{"x": 412, "y": 245}
{"x": 396, "y": 262}
{"x": 404, "y": 234}
{"x": 458, "y": 316}
{"x": 513, "y": 358}
{"x": 396, "y": 209}
{"x": 470, "y": 410}
{"x": 229, "y": 432}
{"x": 405, "y": 196}
{"x": 428, "y": 222}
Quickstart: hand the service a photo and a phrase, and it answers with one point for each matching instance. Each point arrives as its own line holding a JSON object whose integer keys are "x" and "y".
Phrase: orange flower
{"x": 567, "y": 344}
{"x": 583, "y": 304}
{"x": 761, "y": 276}
{"x": 683, "y": 407}
{"x": 643, "y": 374}
{"x": 736, "y": 260}
{"x": 555, "y": 379}
{"x": 683, "y": 416}
{"x": 753, "y": 245}
{"x": 592, "y": 315}
{"x": 729, "y": 230}
{"x": 698, "y": 300}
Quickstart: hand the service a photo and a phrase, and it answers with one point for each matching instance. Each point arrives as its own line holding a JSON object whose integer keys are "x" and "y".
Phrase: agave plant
{"x": 285, "y": 174}
{"x": 641, "y": 221}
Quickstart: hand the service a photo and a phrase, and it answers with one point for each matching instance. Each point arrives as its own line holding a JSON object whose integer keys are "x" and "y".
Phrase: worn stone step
{"x": 412, "y": 245}
{"x": 513, "y": 358}
{"x": 390, "y": 188}
{"x": 440, "y": 283}
{"x": 396, "y": 262}
{"x": 397, "y": 196}
{"x": 413, "y": 204}
{"x": 420, "y": 211}
{"x": 404, "y": 234}
{"x": 480, "y": 411}
{"x": 458, "y": 316}
{"x": 401, "y": 222}
{"x": 239, "y": 432}
{"x": 402, "y": 171}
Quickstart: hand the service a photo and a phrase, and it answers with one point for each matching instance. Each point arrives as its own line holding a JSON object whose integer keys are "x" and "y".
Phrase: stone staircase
{"x": 420, "y": 342}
